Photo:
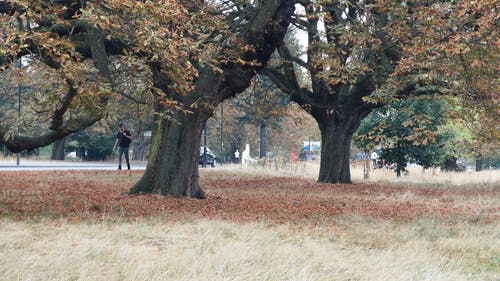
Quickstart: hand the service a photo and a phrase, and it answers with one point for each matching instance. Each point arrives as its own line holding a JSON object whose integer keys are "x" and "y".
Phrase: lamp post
{"x": 19, "y": 90}
{"x": 310, "y": 150}
{"x": 221, "y": 131}
{"x": 204, "y": 165}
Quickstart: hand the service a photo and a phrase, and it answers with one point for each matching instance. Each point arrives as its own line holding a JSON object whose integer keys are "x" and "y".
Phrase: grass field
{"x": 415, "y": 174}
{"x": 255, "y": 225}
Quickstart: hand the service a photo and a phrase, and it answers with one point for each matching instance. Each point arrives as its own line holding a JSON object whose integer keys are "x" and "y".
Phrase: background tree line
{"x": 360, "y": 56}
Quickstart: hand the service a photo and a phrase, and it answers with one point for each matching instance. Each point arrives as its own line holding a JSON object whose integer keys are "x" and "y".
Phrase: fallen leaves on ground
{"x": 97, "y": 195}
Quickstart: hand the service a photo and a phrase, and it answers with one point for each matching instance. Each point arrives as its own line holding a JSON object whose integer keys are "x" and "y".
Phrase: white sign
{"x": 312, "y": 146}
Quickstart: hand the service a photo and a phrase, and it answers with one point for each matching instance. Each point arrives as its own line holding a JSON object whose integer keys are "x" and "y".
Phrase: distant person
{"x": 294, "y": 157}
{"x": 237, "y": 156}
{"x": 123, "y": 140}
{"x": 374, "y": 158}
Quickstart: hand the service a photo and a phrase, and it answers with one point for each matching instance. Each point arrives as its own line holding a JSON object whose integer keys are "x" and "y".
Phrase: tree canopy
{"x": 362, "y": 55}
{"x": 194, "y": 55}
{"x": 186, "y": 57}
{"x": 409, "y": 130}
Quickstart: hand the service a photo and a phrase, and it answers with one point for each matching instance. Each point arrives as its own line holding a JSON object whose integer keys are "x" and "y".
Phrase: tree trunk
{"x": 58, "y": 150}
{"x": 398, "y": 172}
{"x": 335, "y": 152}
{"x": 139, "y": 145}
{"x": 174, "y": 152}
{"x": 336, "y": 135}
{"x": 173, "y": 159}
{"x": 139, "y": 152}
{"x": 450, "y": 164}
{"x": 263, "y": 140}
{"x": 479, "y": 162}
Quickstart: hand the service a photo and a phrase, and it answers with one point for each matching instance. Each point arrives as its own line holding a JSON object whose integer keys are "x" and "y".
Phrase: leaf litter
{"x": 97, "y": 195}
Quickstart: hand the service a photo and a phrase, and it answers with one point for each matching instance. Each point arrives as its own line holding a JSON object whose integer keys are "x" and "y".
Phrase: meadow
{"x": 260, "y": 223}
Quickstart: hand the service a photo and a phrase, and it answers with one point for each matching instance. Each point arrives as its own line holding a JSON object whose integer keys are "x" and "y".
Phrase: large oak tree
{"x": 223, "y": 70}
{"x": 362, "y": 54}
{"x": 197, "y": 53}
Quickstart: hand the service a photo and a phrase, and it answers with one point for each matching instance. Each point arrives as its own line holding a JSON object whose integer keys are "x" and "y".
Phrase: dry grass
{"x": 415, "y": 176}
{"x": 357, "y": 249}
{"x": 339, "y": 246}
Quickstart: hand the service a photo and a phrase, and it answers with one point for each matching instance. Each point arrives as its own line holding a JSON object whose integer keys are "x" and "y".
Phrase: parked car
{"x": 210, "y": 157}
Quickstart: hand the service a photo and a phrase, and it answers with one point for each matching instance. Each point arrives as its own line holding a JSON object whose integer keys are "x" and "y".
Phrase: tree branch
{"x": 418, "y": 85}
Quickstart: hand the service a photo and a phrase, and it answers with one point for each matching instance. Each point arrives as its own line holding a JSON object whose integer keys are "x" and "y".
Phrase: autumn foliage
{"x": 97, "y": 195}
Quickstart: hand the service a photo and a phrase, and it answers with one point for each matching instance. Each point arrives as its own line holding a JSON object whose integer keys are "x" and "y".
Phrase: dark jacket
{"x": 123, "y": 141}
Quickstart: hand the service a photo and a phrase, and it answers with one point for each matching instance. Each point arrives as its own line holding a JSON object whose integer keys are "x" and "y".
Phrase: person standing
{"x": 237, "y": 156}
{"x": 123, "y": 140}
{"x": 374, "y": 158}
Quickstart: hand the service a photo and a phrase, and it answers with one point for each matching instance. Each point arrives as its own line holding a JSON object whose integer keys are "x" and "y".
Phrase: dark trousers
{"x": 124, "y": 151}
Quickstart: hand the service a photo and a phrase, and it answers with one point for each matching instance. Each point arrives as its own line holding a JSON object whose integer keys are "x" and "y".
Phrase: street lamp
{"x": 19, "y": 91}
{"x": 204, "y": 165}
{"x": 310, "y": 149}
{"x": 221, "y": 131}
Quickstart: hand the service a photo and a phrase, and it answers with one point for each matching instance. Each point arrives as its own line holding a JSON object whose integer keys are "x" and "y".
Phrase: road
{"x": 39, "y": 165}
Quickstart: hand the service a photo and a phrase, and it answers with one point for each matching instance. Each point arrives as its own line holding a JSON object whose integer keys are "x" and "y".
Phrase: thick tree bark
{"x": 335, "y": 151}
{"x": 173, "y": 160}
{"x": 263, "y": 140}
{"x": 336, "y": 135}
{"x": 58, "y": 150}
{"x": 479, "y": 162}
